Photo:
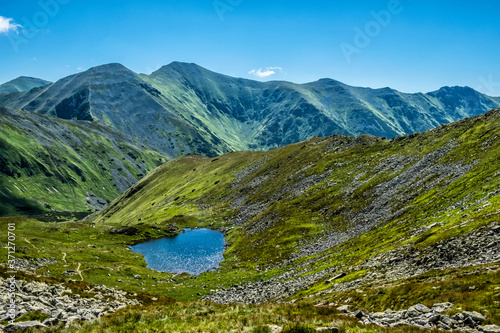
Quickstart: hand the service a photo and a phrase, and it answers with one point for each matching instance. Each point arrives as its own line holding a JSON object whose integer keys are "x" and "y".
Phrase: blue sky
{"x": 412, "y": 46}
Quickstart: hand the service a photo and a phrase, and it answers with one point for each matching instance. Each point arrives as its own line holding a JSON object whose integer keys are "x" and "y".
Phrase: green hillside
{"x": 53, "y": 165}
{"x": 361, "y": 221}
{"x": 22, "y": 84}
{"x": 329, "y": 205}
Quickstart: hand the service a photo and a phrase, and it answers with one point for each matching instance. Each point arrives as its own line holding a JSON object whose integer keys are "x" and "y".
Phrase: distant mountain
{"x": 22, "y": 83}
{"x": 184, "y": 108}
{"x": 49, "y": 164}
{"x": 119, "y": 98}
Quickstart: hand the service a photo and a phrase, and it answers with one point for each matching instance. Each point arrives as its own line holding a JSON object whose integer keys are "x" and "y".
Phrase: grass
{"x": 207, "y": 317}
{"x": 351, "y": 170}
{"x": 50, "y": 165}
{"x": 299, "y": 194}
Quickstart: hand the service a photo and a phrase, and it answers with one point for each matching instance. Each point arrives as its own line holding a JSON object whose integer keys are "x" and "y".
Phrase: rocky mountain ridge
{"x": 184, "y": 108}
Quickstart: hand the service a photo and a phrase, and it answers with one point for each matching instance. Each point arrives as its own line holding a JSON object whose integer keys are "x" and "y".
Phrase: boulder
{"x": 327, "y": 329}
{"x": 23, "y": 325}
{"x": 359, "y": 314}
{"x": 476, "y": 316}
{"x": 344, "y": 308}
{"x": 489, "y": 329}
{"x": 420, "y": 308}
{"x": 434, "y": 318}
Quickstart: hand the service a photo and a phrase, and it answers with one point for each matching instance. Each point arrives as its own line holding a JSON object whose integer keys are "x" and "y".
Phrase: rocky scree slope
{"x": 59, "y": 304}
{"x": 183, "y": 108}
{"x": 53, "y": 164}
{"x": 334, "y": 214}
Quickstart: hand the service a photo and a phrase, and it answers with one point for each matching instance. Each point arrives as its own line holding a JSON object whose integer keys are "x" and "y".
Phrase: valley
{"x": 363, "y": 222}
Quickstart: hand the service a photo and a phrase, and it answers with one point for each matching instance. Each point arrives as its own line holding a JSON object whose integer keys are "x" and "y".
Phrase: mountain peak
{"x": 182, "y": 67}
{"x": 111, "y": 67}
{"x": 22, "y": 83}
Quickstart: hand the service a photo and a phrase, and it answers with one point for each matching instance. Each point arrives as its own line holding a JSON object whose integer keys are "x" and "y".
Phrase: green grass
{"x": 201, "y": 190}
{"x": 179, "y": 317}
{"x": 50, "y": 165}
{"x": 292, "y": 211}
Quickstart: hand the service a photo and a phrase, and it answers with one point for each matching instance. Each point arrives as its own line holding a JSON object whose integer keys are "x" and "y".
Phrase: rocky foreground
{"x": 58, "y": 303}
{"x": 424, "y": 317}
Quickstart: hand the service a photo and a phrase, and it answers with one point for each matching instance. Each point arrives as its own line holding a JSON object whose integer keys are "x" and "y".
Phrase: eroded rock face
{"x": 59, "y": 303}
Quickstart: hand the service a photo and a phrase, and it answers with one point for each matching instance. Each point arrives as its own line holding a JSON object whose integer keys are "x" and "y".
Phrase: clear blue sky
{"x": 421, "y": 46}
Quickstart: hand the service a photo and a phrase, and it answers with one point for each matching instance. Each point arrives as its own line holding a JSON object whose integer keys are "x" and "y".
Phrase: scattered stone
{"x": 327, "y": 329}
{"x": 275, "y": 329}
{"x": 434, "y": 318}
{"x": 475, "y": 316}
{"x": 421, "y": 316}
{"x": 23, "y": 325}
{"x": 60, "y": 303}
{"x": 489, "y": 329}
{"x": 344, "y": 308}
{"x": 359, "y": 314}
{"x": 137, "y": 276}
{"x": 420, "y": 308}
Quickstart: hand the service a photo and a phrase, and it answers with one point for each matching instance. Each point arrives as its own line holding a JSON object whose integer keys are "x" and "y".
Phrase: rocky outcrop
{"x": 59, "y": 303}
{"x": 424, "y": 317}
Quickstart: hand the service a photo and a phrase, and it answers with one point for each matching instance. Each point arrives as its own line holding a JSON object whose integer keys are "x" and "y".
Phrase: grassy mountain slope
{"x": 21, "y": 84}
{"x": 184, "y": 108}
{"x": 377, "y": 224}
{"x": 257, "y": 115}
{"x": 117, "y": 97}
{"x": 312, "y": 210}
{"x": 53, "y": 164}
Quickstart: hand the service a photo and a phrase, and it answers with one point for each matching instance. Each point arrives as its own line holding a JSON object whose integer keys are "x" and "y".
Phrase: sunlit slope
{"x": 21, "y": 84}
{"x": 52, "y": 164}
{"x": 313, "y": 197}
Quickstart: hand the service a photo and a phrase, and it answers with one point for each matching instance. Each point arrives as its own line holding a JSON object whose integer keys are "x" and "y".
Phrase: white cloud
{"x": 8, "y": 24}
{"x": 265, "y": 73}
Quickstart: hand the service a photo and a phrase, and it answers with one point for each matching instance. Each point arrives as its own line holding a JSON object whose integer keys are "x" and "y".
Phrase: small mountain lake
{"x": 193, "y": 251}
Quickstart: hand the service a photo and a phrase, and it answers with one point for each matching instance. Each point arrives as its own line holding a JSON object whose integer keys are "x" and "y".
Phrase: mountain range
{"x": 114, "y": 125}
{"x": 357, "y": 233}
{"x": 183, "y": 108}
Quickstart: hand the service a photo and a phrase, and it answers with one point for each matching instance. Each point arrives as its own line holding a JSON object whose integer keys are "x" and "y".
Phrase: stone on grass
{"x": 327, "y": 329}
{"x": 23, "y": 325}
{"x": 489, "y": 329}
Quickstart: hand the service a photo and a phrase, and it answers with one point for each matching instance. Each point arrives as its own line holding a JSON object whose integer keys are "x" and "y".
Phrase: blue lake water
{"x": 193, "y": 251}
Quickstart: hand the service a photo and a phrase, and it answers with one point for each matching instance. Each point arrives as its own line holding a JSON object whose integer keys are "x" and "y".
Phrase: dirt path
{"x": 79, "y": 272}
{"x": 64, "y": 257}
{"x": 27, "y": 241}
